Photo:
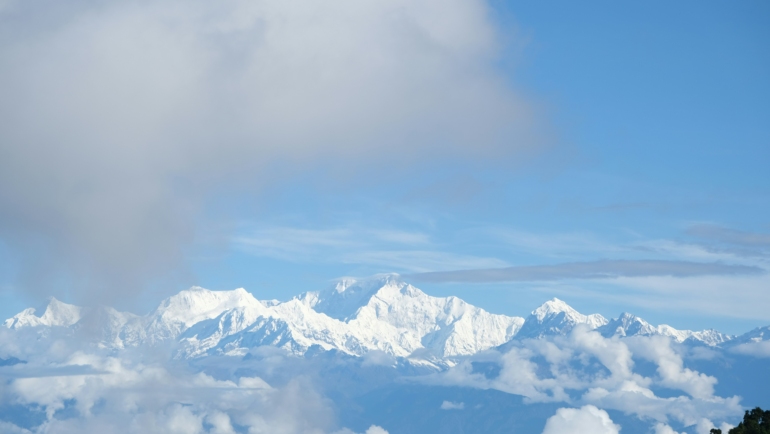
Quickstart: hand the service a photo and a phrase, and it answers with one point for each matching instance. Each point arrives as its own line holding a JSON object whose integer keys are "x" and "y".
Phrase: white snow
{"x": 630, "y": 325}
{"x": 555, "y": 317}
{"x": 382, "y": 313}
{"x": 57, "y": 314}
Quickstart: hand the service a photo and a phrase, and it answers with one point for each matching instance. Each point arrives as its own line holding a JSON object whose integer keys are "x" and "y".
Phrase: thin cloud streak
{"x": 729, "y": 236}
{"x": 391, "y": 250}
{"x": 587, "y": 270}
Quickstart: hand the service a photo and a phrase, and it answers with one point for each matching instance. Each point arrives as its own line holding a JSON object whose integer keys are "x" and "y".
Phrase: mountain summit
{"x": 56, "y": 314}
{"x": 555, "y": 317}
{"x": 353, "y": 316}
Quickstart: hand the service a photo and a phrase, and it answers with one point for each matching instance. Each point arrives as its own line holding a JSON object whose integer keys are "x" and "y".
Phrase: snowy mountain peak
{"x": 353, "y": 316}
{"x": 61, "y": 314}
{"x": 551, "y": 307}
{"x": 627, "y": 319}
{"x": 353, "y": 284}
{"x": 343, "y": 284}
{"x": 759, "y": 334}
{"x": 196, "y": 304}
{"x": 627, "y": 325}
{"x": 555, "y": 317}
{"x": 343, "y": 299}
{"x": 189, "y": 307}
{"x": 56, "y": 314}
{"x": 631, "y": 325}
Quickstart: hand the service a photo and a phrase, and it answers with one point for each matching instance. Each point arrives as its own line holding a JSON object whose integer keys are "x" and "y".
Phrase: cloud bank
{"x": 70, "y": 386}
{"x": 588, "y": 370}
{"x": 120, "y": 119}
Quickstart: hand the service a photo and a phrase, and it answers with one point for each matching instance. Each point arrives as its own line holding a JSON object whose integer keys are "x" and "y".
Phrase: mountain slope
{"x": 444, "y": 326}
{"x": 56, "y": 314}
{"x": 556, "y": 317}
{"x": 631, "y": 325}
{"x": 353, "y": 316}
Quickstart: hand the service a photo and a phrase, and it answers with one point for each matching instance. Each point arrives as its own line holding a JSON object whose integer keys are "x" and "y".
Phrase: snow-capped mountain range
{"x": 382, "y": 313}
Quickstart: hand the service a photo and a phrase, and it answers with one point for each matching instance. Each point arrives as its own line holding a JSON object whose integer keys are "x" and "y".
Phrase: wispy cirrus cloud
{"x": 551, "y": 245}
{"x": 391, "y": 250}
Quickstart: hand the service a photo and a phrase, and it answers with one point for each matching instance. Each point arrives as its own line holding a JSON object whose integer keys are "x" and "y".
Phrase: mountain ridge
{"x": 354, "y": 316}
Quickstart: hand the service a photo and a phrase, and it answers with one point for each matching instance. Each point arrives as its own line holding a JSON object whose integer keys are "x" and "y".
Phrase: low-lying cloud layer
{"x": 588, "y": 370}
{"x": 68, "y": 385}
{"x": 144, "y": 392}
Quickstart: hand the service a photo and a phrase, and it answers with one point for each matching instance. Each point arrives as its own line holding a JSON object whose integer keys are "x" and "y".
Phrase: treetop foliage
{"x": 756, "y": 421}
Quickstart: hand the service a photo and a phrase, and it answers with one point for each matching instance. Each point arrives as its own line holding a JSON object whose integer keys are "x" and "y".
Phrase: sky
{"x": 613, "y": 156}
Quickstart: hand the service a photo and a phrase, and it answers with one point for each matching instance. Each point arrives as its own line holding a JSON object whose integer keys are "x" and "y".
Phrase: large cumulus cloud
{"x": 119, "y": 119}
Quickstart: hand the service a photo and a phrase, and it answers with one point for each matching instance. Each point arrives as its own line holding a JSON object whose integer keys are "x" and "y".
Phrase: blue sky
{"x": 615, "y": 132}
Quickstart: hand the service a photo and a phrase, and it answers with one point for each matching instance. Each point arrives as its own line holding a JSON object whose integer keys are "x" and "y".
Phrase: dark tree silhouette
{"x": 756, "y": 421}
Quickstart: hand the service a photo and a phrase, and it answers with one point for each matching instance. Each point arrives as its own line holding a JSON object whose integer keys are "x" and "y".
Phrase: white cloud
{"x": 181, "y": 420}
{"x": 671, "y": 368}
{"x": 662, "y": 428}
{"x": 756, "y": 349}
{"x": 448, "y": 405}
{"x": 125, "y": 396}
{"x": 220, "y": 423}
{"x": 602, "y": 371}
{"x": 378, "y": 358}
{"x": 121, "y": 119}
{"x": 374, "y": 429}
{"x": 587, "y": 419}
{"x": 9, "y": 428}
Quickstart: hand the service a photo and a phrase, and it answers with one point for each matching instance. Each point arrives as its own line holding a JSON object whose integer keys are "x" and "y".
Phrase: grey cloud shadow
{"x": 601, "y": 269}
